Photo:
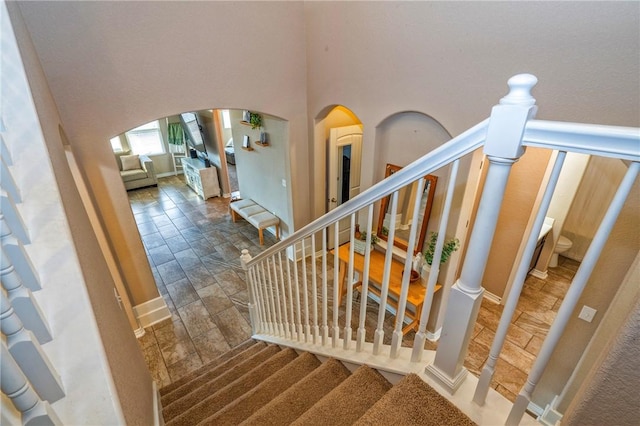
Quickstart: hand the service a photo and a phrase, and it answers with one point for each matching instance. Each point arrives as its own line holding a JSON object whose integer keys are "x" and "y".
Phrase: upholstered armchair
{"x": 136, "y": 170}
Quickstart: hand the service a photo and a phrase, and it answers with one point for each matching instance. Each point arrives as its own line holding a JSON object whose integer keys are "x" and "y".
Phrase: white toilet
{"x": 562, "y": 245}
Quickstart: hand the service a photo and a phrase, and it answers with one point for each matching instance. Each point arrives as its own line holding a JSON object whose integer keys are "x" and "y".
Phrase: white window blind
{"x": 146, "y": 139}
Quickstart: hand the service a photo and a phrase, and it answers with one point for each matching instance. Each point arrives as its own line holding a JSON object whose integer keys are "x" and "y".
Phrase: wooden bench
{"x": 256, "y": 215}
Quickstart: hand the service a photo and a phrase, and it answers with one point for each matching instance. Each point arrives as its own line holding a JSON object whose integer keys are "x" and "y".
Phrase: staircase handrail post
{"x": 503, "y": 148}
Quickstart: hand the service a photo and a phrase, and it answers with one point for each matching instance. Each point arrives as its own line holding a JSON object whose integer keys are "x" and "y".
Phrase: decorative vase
{"x": 426, "y": 271}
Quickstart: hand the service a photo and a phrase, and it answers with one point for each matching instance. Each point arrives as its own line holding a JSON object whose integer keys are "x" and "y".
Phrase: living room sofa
{"x": 136, "y": 171}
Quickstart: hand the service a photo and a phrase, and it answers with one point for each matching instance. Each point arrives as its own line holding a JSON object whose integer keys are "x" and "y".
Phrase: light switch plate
{"x": 284, "y": 183}
{"x": 587, "y": 313}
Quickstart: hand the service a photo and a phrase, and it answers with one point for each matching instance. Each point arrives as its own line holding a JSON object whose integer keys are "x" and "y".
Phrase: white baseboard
{"x": 435, "y": 336}
{"x": 539, "y": 274}
{"x": 152, "y": 312}
{"x": 492, "y": 297}
{"x": 165, "y": 174}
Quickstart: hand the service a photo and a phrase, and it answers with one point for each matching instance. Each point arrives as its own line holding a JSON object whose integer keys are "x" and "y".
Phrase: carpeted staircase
{"x": 262, "y": 384}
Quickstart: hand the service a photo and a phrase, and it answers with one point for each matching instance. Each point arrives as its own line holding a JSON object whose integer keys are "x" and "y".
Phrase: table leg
{"x": 341, "y": 280}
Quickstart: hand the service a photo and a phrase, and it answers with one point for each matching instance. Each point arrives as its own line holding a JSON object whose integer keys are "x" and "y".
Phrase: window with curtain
{"x": 146, "y": 139}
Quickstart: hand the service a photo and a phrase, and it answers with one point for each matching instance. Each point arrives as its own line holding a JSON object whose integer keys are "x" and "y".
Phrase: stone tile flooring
{"x": 194, "y": 249}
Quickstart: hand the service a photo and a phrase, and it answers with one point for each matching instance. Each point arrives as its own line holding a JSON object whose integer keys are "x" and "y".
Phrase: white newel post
{"x": 245, "y": 258}
{"x": 503, "y": 147}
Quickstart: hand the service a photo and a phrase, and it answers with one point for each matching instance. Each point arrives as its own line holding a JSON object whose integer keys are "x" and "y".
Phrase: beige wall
{"x": 261, "y": 171}
{"x": 133, "y": 384}
{"x": 109, "y": 73}
{"x": 608, "y": 393}
{"x": 599, "y": 183}
{"x": 519, "y": 201}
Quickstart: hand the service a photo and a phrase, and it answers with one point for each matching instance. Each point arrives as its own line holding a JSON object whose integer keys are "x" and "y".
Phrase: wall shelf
{"x": 247, "y": 148}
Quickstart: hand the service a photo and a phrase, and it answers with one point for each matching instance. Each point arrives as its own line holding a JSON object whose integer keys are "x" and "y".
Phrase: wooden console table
{"x": 417, "y": 290}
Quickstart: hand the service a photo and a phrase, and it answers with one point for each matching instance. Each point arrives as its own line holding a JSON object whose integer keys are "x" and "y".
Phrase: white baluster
{"x": 299, "y": 332}
{"x": 28, "y": 354}
{"x": 13, "y": 218}
{"x": 287, "y": 325}
{"x": 348, "y": 331}
{"x": 294, "y": 334}
{"x": 274, "y": 283}
{"x": 264, "y": 309}
{"x": 421, "y": 335}
{"x": 503, "y": 148}
{"x": 23, "y": 301}
{"x": 378, "y": 337}
{"x": 265, "y": 296}
{"x": 272, "y": 302}
{"x": 314, "y": 291}
{"x": 8, "y": 184}
{"x": 364, "y": 293}
{"x": 305, "y": 294}
{"x": 396, "y": 339}
{"x": 4, "y": 151}
{"x": 325, "y": 325}
{"x": 514, "y": 295}
{"x": 15, "y": 385}
{"x": 336, "y": 285}
{"x": 18, "y": 256}
{"x": 245, "y": 257}
{"x": 573, "y": 294}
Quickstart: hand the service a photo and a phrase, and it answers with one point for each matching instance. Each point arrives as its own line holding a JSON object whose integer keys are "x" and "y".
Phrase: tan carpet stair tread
{"x": 218, "y": 400}
{"x": 261, "y": 395}
{"x": 200, "y": 388}
{"x": 413, "y": 402}
{"x": 220, "y": 364}
{"x": 349, "y": 401}
{"x": 289, "y": 405}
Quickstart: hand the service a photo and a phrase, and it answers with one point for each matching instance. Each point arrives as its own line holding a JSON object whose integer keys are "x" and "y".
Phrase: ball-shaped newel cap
{"x": 520, "y": 90}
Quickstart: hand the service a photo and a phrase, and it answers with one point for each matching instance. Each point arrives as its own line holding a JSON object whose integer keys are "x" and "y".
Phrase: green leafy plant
{"x": 255, "y": 120}
{"x": 374, "y": 237}
{"x": 448, "y": 248}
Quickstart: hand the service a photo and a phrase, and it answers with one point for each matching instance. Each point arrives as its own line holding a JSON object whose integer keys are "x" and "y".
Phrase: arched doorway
{"x": 338, "y": 154}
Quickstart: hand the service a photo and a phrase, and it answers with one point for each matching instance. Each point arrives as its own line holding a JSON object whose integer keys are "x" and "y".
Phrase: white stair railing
{"x": 28, "y": 354}
{"x": 298, "y": 296}
{"x": 27, "y": 376}
{"x": 290, "y": 315}
{"x": 14, "y": 384}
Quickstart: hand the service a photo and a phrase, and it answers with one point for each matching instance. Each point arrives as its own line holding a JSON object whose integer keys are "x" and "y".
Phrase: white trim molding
{"x": 539, "y": 274}
{"x": 151, "y": 312}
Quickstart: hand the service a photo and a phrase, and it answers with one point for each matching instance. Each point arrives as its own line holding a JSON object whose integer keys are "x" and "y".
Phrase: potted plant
{"x": 448, "y": 248}
{"x": 255, "y": 120}
{"x": 360, "y": 241}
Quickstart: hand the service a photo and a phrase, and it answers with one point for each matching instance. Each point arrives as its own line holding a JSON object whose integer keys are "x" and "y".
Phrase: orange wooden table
{"x": 417, "y": 289}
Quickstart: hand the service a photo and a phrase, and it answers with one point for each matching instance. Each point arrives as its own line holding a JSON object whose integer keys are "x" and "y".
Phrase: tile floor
{"x": 194, "y": 248}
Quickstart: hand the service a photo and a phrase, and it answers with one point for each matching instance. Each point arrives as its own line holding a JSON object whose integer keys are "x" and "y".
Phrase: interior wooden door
{"x": 343, "y": 174}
